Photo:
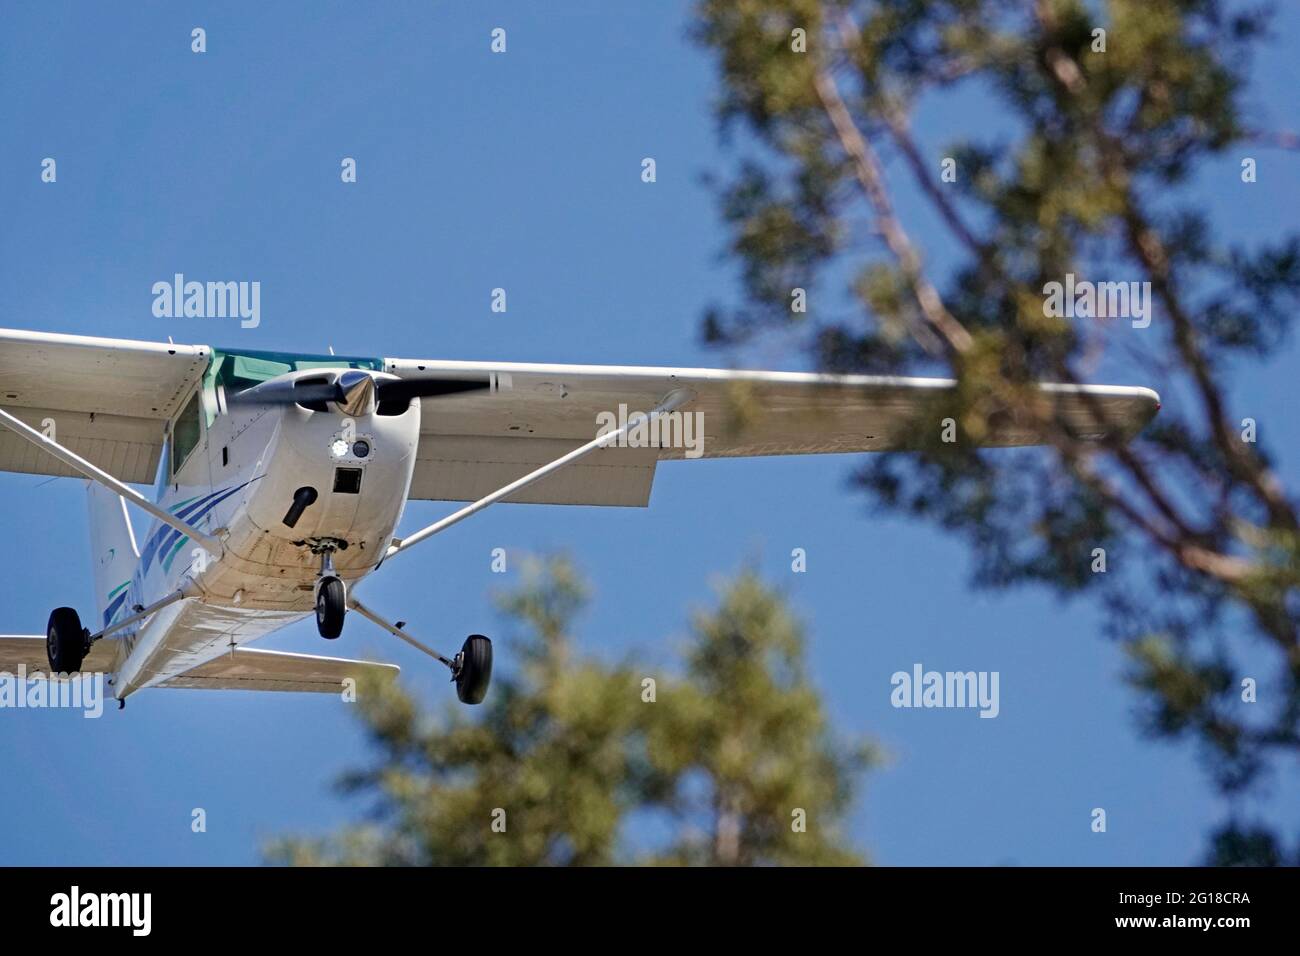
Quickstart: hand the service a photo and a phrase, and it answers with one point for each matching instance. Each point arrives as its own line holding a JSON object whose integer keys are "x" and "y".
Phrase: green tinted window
{"x": 240, "y": 370}
{"x": 255, "y": 369}
{"x": 185, "y": 433}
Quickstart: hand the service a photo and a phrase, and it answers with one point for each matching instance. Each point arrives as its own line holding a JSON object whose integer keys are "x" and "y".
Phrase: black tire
{"x": 330, "y": 608}
{"x": 65, "y": 641}
{"x": 475, "y": 669}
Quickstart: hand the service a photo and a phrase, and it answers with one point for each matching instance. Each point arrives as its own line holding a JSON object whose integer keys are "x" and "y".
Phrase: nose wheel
{"x": 331, "y": 597}
{"x": 331, "y": 606}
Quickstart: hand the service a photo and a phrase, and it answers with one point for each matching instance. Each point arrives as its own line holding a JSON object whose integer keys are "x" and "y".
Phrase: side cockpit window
{"x": 186, "y": 432}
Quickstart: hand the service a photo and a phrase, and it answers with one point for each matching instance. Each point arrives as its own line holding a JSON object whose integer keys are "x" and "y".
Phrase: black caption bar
{"x": 329, "y": 905}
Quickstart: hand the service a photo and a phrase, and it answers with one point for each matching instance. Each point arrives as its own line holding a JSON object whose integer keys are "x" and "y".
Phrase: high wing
{"x": 108, "y": 399}
{"x": 28, "y": 650}
{"x": 251, "y": 669}
{"x": 474, "y": 443}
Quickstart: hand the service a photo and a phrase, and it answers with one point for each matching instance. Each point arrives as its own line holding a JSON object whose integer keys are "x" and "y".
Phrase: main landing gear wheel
{"x": 472, "y": 669}
{"x": 66, "y": 641}
{"x": 331, "y": 606}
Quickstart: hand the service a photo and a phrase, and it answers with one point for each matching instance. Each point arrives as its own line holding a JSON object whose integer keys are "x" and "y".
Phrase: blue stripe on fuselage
{"x": 162, "y": 540}
{"x": 159, "y": 532}
{"x": 113, "y": 606}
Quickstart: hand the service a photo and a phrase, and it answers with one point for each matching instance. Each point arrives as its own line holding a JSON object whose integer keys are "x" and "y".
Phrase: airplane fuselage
{"x": 238, "y": 483}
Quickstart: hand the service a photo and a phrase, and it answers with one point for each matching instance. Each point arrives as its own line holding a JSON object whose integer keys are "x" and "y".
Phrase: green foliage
{"x": 568, "y": 746}
{"x": 746, "y": 739}
{"x": 1232, "y": 845}
{"x": 1085, "y": 171}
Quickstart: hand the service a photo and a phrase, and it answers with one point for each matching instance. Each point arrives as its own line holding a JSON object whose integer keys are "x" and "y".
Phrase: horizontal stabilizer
{"x": 248, "y": 669}
{"x": 28, "y": 650}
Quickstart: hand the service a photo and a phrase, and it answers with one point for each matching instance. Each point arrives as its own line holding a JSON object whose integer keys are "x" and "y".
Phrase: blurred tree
{"x": 1087, "y": 123}
{"x": 759, "y": 777}
{"x": 1237, "y": 845}
{"x": 569, "y": 746}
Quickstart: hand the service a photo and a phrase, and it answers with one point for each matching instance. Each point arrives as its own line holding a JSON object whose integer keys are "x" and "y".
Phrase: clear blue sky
{"x": 519, "y": 171}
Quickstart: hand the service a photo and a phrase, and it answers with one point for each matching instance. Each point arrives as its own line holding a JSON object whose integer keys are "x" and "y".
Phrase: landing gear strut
{"x": 331, "y": 594}
{"x": 471, "y": 669}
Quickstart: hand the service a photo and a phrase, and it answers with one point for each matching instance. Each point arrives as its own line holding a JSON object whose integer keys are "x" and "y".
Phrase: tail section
{"x": 113, "y": 554}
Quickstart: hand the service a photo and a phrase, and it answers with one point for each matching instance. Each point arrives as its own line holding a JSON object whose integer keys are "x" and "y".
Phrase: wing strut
{"x": 675, "y": 399}
{"x": 77, "y": 463}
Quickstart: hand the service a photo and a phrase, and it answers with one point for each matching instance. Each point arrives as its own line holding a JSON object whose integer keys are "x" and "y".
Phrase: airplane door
{"x": 188, "y": 465}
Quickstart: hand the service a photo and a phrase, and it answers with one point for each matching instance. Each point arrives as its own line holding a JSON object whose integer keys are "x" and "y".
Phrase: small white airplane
{"x": 281, "y": 478}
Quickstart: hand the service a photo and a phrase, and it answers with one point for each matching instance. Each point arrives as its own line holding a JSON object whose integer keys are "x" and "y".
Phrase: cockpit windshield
{"x": 240, "y": 370}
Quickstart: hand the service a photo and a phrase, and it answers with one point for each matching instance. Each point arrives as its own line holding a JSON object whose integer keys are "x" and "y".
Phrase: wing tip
{"x": 1153, "y": 403}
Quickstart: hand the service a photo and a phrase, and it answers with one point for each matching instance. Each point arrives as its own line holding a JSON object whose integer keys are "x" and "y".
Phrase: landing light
{"x": 339, "y": 448}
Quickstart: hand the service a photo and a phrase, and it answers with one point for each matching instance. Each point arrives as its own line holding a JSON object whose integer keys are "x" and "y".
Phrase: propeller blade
{"x": 287, "y": 393}
{"x": 390, "y": 390}
{"x": 351, "y": 390}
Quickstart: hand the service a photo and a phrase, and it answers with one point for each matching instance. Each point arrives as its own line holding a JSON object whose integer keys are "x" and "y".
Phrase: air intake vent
{"x": 347, "y": 481}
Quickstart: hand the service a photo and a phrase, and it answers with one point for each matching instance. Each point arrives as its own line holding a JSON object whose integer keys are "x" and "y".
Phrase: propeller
{"x": 355, "y": 391}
